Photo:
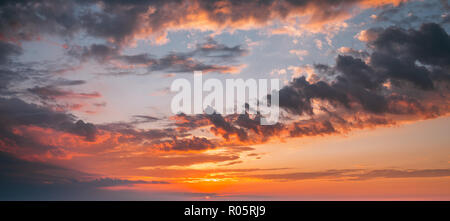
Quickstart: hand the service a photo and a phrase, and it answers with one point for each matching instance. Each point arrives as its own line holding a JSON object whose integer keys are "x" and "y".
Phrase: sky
{"x": 85, "y": 100}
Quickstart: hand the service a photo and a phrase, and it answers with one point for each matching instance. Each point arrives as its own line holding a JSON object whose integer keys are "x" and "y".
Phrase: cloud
{"x": 300, "y": 53}
{"x": 352, "y": 52}
{"x": 108, "y": 182}
{"x": 404, "y": 76}
{"x": 361, "y": 90}
{"x": 318, "y": 43}
{"x": 328, "y": 174}
{"x": 81, "y": 128}
{"x": 301, "y": 129}
{"x": 212, "y": 49}
{"x": 182, "y": 63}
{"x": 188, "y": 122}
{"x": 209, "y": 56}
{"x": 27, "y": 180}
{"x": 296, "y": 98}
{"x": 66, "y": 82}
{"x": 15, "y": 112}
{"x": 410, "y": 15}
{"x": 395, "y": 57}
{"x": 51, "y": 92}
{"x": 398, "y": 51}
{"x": 418, "y": 173}
{"x": 144, "y": 119}
{"x": 357, "y": 174}
{"x": 221, "y": 172}
{"x": 99, "y": 52}
{"x": 123, "y": 22}
{"x": 240, "y": 128}
{"x": 225, "y": 128}
{"x": 128, "y": 133}
{"x": 196, "y": 143}
{"x": 239, "y": 149}
{"x": 7, "y": 50}
{"x": 7, "y": 79}
{"x": 368, "y": 35}
{"x": 233, "y": 163}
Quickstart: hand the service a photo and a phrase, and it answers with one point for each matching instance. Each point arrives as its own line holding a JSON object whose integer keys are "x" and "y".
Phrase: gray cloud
{"x": 209, "y": 56}
{"x": 397, "y": 51}
{"x": 15, "y": 112}
{"x": 409, "y": 59}
{"x": 120, "y": 21}
{"x": 7, "y": 50}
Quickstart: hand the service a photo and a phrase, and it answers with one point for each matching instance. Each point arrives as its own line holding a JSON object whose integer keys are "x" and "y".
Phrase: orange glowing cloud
{"x": 219, "y": 16}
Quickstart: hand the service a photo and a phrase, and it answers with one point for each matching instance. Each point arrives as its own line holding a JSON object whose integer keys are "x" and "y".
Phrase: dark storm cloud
{"x": 357, "y": 71}
{"x": 402, "y": 69}
{"x": 296, "y": 98}
{"x": 430, "y": 45}
{"x": 409, "y": 59}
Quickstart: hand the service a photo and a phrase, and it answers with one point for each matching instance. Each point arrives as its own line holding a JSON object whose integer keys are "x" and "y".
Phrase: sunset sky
{"x": 85, "y": 100}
